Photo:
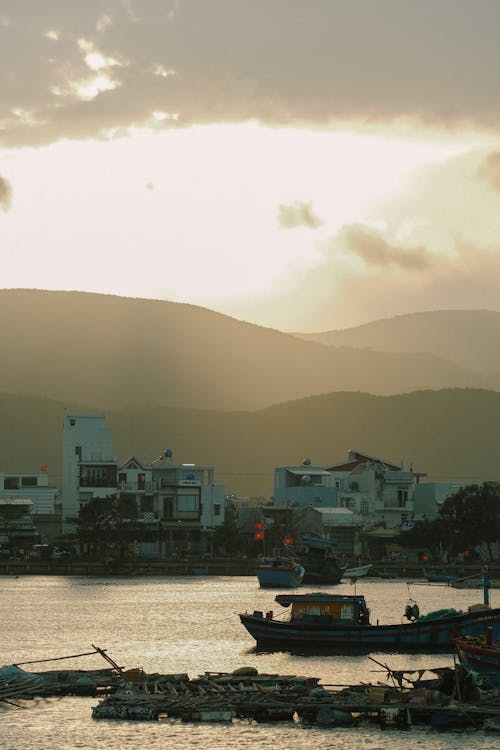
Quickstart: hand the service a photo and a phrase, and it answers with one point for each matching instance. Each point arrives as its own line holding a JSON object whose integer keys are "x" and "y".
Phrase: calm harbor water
{"x": 191, "y": 625}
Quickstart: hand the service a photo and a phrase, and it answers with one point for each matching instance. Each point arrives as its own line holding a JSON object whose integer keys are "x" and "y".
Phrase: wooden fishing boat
{"x": 318, "y": 557}
{"x": 321, "y": 622}
{"x": 480, "y": 655}
{"x": 280, "y": 572}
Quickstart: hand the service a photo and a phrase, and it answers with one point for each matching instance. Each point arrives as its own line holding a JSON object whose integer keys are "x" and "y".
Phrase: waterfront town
{"x": 160, "y": 510}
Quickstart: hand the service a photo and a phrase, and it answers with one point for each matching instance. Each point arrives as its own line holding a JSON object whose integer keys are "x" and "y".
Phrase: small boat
{"x": 439, "y": 577}
{"x": 321, "y": 622}
{"x": 480, "y": 655}
{"x": 280, "y": 572}
{"x": 358, "y": 572}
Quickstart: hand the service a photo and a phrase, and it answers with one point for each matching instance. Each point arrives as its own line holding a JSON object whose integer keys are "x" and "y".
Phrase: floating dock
{"x": 449, "y": 698}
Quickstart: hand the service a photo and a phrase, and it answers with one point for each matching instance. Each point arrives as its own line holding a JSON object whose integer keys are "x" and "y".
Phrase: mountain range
{"x": 109, "y": 352}
{"x": 217, "y": 391}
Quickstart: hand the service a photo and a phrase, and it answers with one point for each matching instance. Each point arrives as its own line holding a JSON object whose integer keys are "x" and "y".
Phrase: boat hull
{"x": 480, "y": 658}
{"x": 427, "y": 636}
{"x": 285, "y": 577}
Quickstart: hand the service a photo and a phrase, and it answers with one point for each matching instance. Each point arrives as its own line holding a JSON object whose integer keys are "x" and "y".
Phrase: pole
{"x": 486, "y": 585}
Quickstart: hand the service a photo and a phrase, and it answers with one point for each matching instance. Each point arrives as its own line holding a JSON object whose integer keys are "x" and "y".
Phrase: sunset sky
{"x": 300, "y": 164}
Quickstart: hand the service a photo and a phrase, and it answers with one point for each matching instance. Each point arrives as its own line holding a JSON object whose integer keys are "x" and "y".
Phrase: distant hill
{"x": 109, "y": 352}
{"x": 452, "y": 435}
{"x": 469, "y": 338}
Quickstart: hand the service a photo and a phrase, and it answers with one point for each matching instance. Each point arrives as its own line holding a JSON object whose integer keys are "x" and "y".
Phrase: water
{"x": 191, "y": 625}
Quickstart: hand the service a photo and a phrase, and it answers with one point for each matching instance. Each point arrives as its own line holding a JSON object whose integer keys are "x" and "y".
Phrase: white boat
{"x": 358, "y": 572}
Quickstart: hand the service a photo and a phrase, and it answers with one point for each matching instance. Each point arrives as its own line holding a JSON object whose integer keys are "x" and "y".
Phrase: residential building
{"x": 303, "y": 486}
{"x": 45, "y": 509}
{"x": 180, "y": 505}
{"x": 379, "y": 492}
{"x": 89, "y": 468}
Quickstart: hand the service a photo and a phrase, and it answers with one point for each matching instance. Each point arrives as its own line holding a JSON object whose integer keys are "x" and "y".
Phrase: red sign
{"x": 259, "y": 525}
{"x": 288, "y": 540}
{"x": 258, "y": 535}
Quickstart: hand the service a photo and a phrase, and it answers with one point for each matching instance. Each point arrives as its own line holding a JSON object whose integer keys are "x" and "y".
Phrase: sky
{"x": 305, "y": 165}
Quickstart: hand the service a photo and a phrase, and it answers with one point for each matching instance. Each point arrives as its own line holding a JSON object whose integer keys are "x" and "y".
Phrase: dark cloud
{"x": 298, "y": 215}
{"x": 489, "y": 170}
{"x": 376, "y": 251}
{"x": 284, "y": 61}
{"x": 5, "y": 194}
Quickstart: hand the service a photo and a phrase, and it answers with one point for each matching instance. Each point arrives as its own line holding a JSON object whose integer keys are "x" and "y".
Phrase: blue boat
{"x": 280, "y": 572}
{"x": 321, "y": 622}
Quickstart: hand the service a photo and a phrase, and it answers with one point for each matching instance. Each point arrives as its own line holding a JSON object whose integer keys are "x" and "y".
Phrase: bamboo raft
{"x": 247, "y": 695}
{"x": 450, "y": 700}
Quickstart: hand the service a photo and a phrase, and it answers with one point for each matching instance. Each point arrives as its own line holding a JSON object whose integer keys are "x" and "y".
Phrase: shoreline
{"x": 212, "y": 567}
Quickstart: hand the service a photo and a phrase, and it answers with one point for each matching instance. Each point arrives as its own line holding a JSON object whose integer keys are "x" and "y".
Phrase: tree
{"x": 108, "y": 521}
{"x": 467, "y": 518}
{"x": 472, "y": 516}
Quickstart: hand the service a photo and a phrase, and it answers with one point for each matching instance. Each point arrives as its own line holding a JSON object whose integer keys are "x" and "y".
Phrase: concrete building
{"x": 303, "y": 486}
{"x": 179, "y": 505}
{"x": 88, "y": 466}
{"x": 45, "y": 508}
{"x": 379, "y": 492}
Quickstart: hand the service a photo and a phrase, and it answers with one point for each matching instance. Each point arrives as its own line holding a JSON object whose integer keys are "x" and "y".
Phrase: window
{"x": 216, "y": 509}
{"x": 147, "y": 504}
{"x": 11, "y": 483}
{"x": 97, "y": 476}
{"x": 402, "y": 498}
{"x": 28, "y": 481}
{"x": 186, "y": 503}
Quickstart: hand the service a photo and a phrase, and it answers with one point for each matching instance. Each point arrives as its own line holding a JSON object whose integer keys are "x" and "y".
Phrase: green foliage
{"x": 108, "y": 520}
{"x": 467, "y": 518}
{"x": 472, "y": 516}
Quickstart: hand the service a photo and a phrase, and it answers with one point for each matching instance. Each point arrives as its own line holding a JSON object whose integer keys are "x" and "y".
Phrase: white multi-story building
{"x": 379, "y": 492}
{"x": 179, "y": 504}
{"x": 89, "y": 468}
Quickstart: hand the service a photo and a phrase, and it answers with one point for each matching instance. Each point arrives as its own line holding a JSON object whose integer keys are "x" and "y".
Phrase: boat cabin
{"x": 326, "y": 608}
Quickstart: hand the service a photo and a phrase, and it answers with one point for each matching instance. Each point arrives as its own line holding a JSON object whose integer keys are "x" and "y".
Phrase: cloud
{"x": 298, "y": 214}
{"x": 377, "y": 251}
{"x": 282, "y": 62}
{"x": 5, "y": 194}
{"x": 489, "y": 170}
